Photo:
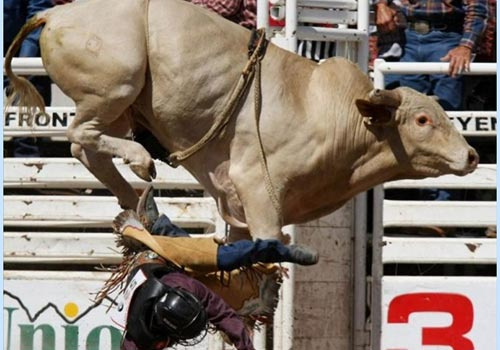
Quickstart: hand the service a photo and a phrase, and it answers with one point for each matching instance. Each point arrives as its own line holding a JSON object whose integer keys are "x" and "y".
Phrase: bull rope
{"x": 237, "y": 93}
{"x": 252, "y": 69}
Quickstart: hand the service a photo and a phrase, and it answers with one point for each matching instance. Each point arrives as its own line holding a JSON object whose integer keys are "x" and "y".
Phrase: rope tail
{"x": 21, "y": 91}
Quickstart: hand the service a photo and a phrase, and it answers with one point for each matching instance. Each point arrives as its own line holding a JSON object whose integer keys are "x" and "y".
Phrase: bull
{"x": 324, "y": 134}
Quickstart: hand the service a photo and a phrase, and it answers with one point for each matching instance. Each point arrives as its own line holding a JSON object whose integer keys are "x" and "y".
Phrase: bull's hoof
{"x": 147, "y": 173}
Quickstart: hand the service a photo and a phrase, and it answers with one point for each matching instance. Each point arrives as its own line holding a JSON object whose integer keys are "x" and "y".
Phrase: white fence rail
{"x": 46, "y": 173}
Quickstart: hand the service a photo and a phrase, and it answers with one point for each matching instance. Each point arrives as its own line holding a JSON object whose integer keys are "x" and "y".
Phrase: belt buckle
{"x": 422, "y": 27}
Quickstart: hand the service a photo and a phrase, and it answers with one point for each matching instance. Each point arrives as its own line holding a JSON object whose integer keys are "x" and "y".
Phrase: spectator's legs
{"x": 413, "y": 53}
{"x": 25, "y": 147}
{"x": 448, "y": 89}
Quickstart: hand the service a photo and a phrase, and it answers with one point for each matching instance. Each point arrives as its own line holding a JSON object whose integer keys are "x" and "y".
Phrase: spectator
{"x": 438, "y": 30}
{"x": 242, "y": 12}
{"x": 15, "y": 14}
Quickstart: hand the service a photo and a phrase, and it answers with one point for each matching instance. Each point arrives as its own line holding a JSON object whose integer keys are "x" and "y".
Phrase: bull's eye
{"x": 423, "y": 120}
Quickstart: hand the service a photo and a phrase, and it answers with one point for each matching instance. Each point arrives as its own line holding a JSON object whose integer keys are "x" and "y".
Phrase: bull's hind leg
{"x": 103, "y": 168}
{"x": 92, "y": 129}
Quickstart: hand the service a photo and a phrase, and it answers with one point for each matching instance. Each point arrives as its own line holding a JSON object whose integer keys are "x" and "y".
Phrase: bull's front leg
{"x": 263, "y": 219}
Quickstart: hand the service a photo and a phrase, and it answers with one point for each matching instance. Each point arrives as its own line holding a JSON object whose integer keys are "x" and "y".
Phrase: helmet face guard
{"x": 159, "y": 312}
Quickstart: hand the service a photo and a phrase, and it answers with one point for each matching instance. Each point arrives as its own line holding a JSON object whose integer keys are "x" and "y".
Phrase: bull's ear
{"x": 376, "y": 114}
{"x": 380, "y": 107}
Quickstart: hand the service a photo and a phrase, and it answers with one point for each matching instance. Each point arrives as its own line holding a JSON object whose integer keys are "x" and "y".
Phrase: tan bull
{"x": 169, "y": 66}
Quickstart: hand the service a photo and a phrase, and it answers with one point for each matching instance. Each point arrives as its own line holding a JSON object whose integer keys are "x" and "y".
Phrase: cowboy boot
{"x": 302, "y": 255}
{"x": 146, "y": 208}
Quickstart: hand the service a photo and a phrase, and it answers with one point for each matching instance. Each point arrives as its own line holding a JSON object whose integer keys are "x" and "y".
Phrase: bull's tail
{"x": 21, "y": 91}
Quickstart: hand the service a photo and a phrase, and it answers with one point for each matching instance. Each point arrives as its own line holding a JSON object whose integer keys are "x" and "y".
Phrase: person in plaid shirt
{"x": 438, "y": 30}
{"x": 242, "y": 12}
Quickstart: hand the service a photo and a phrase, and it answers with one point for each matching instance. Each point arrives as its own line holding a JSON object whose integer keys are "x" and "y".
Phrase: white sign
{"x": 48, "y": 310}
{"x": 55, "y": 310}
{"x": 475, "y": 123}
{"x": 438, "y": 313}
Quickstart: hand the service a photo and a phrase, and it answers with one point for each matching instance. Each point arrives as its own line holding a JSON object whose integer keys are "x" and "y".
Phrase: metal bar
{"x": 291, "y": 25}
{"x": 432, "y": 68}
{"x": 363, "y": 26}
{"x": 359, "y": 256}
{"x": 329, "y": 34}
{"x": 28, "y": 66}
{"x": 288, "y": 288}
{"x": 325, "y": 16}
{"x": 377, "y": 268}
{"x": 263, "y": 16}
{"x": 332, "y": 4}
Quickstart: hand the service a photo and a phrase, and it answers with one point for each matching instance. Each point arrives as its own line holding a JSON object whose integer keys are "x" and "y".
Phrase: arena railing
{"x": 387, "y": 249}
{"x": 319, "y": 14}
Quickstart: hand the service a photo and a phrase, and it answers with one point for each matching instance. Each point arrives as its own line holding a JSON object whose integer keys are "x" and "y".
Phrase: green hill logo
{"x": 73, "y": 329}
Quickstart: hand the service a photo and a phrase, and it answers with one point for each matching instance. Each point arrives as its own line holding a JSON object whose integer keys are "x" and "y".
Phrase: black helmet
{"x": 159, "y": 312}
{"x": 179, "y": 314}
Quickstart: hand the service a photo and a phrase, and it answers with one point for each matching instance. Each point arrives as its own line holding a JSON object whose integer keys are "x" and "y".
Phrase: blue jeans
{"x": 234, "y": 255}
{"x": 432, "y": 47}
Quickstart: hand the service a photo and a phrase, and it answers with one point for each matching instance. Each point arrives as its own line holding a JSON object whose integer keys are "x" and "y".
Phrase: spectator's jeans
{"x": 432, "y": 47}
{"x": 234, "y": 255}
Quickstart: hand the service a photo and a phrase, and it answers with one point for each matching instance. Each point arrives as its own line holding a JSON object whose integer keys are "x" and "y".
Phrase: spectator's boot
{"x": 302, "y": 255}
{"x": 147, "y": 209}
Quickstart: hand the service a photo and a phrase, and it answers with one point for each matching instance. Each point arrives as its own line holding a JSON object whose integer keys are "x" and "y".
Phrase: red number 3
{"x": 459, "y": 306}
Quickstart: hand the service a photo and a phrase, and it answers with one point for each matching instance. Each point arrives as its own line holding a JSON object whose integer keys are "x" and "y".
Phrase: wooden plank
{"x": 439, "y": 213}
{"x": 483, "y": 178}
{"x": 62, "y": 247}
{"x": 69, "y": 247}
{"x": 92, "y": 211}
{"x": 70, "y": 173}
{"x": 439, "y": 250}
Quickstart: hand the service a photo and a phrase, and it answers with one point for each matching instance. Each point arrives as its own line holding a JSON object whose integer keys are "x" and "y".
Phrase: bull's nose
{"x": 473, "y": 158}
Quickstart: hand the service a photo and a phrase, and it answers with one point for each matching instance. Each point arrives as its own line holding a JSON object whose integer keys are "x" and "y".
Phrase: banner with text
{"x": 438, "y": 313}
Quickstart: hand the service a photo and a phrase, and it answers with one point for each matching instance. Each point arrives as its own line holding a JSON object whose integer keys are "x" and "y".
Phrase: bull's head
{"x": 418, "y": 131}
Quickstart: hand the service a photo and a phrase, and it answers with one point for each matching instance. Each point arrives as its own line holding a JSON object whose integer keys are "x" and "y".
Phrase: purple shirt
{"x": 220, "y": 314}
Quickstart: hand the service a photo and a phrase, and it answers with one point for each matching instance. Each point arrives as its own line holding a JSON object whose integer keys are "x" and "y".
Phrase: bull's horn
{"x": 390, "y": 98}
